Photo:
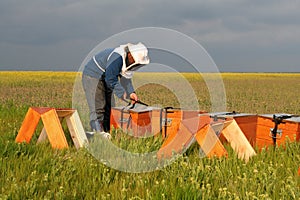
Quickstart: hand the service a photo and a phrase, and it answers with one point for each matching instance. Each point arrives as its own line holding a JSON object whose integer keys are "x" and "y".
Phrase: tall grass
{"x": 30, "y": 171}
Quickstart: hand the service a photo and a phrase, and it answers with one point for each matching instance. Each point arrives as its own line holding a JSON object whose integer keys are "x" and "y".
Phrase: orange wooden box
{"x": 140, "y": 123}
{"x": 257, "y": 128}
{"x": 247, "y": 122}
{"x": 290, "y": 130}
{"x": 171, "y": 119}
{"x": 151, "y": 120}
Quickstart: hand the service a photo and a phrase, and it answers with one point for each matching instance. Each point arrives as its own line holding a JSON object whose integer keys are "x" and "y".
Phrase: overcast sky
{"x": 251, "y": 35}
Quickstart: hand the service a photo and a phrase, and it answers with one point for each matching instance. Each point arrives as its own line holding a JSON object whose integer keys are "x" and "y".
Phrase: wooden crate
{"x": 190, "y": 129}
{"x": 209, "y": 142}
{"x": 138, "y": 122}
{"x": 257, "y": 128}
{"x": 290, "y": 130}
{"x": 171, "y": 119}
{"x": 237, "y": 140}
{"x": 247, "y": 123}
{"x": 175, "y": 143}
{"x": 150, "y": 120}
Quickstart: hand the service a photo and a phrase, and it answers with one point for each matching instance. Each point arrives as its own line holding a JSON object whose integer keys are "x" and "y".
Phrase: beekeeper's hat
{"x": 139, "y": 53}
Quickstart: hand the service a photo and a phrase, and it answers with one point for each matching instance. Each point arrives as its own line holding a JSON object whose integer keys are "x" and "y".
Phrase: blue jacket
{"x": 109, "y": 63}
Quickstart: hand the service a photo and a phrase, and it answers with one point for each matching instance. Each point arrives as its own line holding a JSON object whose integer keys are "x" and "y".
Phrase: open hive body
{"x": 247, "y": 123}
{"x": 257, "y": 128}
{"x": 140, "y": 121}
{"x": 287, "y": 131}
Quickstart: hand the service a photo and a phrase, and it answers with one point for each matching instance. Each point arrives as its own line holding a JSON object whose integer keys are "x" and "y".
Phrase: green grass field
{"x": 30, "y": 171}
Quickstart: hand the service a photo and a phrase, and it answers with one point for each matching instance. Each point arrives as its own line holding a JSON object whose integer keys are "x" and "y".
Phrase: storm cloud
{"x": 239, "y": 35}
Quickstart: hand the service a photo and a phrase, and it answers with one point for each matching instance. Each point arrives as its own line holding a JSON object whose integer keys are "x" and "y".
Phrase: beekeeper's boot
{"x": 98, "y": 127}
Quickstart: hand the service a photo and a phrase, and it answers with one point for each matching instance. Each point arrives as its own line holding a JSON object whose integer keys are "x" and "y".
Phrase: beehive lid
{"x": 137, "y": 108}
{"x": 292, "y": 119}
{"x": 230, "y": 114}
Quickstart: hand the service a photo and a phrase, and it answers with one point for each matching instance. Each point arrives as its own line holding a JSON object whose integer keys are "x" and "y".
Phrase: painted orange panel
{"x": 171, "y": 121}
{"x": 248, "y": 126}
{"x": 139, "y": 123}
{"x": 290, "y": 131}
{"x": 28, "y": 127}
{"x": 209, "y": 142}
{"x": 190, "y": 125}
{"x": 178, "y": 144}
{"x": 119, "y": 118}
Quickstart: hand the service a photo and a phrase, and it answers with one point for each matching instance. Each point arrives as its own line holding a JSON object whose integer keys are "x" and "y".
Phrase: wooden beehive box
{"x": 139, "y": 121}
{"x": 171, "y": 119}
{"x": 181, "y": 134}
{"x": 257, "y": 128}
{"x": 247, "y": 122}
{"x": 290, "y": 130}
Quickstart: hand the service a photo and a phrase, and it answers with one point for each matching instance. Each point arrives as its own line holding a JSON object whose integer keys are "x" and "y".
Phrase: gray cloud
{"x": 239, "y": 34}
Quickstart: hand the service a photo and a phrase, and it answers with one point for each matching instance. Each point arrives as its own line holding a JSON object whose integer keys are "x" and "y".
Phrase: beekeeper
{"x": 110, "y": 71}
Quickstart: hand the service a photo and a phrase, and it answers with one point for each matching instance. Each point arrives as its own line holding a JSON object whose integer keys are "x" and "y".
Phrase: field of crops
{"x": 30, "y": 171}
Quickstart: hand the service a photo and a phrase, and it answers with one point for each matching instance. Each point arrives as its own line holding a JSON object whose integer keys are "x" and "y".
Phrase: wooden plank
{"x": 76, "y": 130}
{"x": 298, "y": 131}
{"x": 209, "y": 142}
{"x": 194, "y": 124}
{"x": 140, "y": 123}
{"x": 43, "y": 136}
{"x": 64, "y": 112}
{"x": 263, "y": 137}
{"x": 28, "y": 127}
{"x": 115, "y": 118}
{"x": 156, "y": 126}
{"x": 179, "y": 143}
{"x": 262, "y": 143}
{"x": 41, "y": 110}
{"x": 237, "y": 140}
{"x": 248, "y": 125}
{"x": 170, "y": 137}
{"x": 54, "y": 130}
{"x": 172, "y": 123}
